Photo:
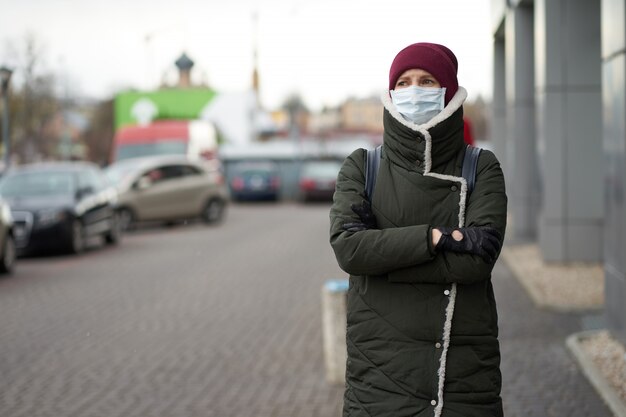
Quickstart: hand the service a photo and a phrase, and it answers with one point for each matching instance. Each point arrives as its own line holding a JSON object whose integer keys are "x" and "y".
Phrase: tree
{"x": 33, "y": 103}
{"x": 99, "y": 135}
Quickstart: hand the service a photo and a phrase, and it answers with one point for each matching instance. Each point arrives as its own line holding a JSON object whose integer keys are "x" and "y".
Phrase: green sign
{"x": 135, "y": 107}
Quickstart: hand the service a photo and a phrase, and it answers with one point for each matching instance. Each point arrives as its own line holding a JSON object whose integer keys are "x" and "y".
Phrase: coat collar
{"x": 432, "y": 143}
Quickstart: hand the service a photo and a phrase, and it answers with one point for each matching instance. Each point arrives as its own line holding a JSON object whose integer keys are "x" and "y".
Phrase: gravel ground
{"x": 610, "y": 357}
{"x": 575, "y": 286}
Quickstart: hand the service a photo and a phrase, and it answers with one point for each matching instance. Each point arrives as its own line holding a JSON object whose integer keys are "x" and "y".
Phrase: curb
{"x": 606, "y": 391}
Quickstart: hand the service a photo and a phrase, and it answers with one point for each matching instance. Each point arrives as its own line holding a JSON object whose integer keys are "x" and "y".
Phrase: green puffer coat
{"x": 422, "y": 325}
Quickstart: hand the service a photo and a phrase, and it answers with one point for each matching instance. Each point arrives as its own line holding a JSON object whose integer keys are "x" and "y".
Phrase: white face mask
{"x": 418, "y": 104}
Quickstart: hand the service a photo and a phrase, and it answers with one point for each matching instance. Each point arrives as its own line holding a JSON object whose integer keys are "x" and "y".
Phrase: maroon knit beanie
{"x": 432, "y": 57}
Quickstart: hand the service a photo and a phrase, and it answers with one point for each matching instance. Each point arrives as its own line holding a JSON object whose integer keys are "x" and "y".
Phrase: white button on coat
{"x": 433, "y": 402}
{"x": 447, "y": 292}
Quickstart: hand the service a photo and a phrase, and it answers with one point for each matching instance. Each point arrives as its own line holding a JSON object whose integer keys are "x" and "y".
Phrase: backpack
{"x": 470, "y": 162}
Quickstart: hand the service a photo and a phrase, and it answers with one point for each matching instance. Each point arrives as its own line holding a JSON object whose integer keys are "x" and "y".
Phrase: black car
{"x": 60, "y": 205}
{"x": 255, "y": 180}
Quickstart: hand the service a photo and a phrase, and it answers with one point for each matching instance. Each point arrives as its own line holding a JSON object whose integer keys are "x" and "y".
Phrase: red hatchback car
{"x": 317, "y": 180}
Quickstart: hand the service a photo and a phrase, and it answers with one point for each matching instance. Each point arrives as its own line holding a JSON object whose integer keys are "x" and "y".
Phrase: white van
{"x": 197, "y": 139}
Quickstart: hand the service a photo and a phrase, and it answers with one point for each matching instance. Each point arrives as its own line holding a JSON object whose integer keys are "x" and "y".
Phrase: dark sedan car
{"x": 60, "y": 205}
{"x": 255, "y": 180}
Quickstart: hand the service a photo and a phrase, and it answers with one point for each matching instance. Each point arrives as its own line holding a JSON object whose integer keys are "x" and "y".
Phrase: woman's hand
{"x": 366, "y": 217}
{"x": 436, "y": 234}
{"x": 483, "y": 241}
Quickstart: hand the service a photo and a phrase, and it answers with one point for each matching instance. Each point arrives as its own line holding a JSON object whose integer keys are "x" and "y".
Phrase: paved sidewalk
{"x": 540, "y": 377}
{"x": 226, "y": 322}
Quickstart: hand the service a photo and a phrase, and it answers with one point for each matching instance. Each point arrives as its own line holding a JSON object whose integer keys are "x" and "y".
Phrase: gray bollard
{"x": 334, "y": 329}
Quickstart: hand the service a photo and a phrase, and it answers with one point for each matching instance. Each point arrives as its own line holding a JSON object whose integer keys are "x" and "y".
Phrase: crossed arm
{"x": 418, "y": 253}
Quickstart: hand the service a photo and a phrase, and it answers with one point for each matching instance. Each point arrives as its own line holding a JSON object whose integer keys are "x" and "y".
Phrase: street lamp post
{"x": 5, "y": 78}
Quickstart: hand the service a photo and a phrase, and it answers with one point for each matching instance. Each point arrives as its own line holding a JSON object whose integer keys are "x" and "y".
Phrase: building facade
{"x": 364, "y": 114}
{"x": 558, "y": 128}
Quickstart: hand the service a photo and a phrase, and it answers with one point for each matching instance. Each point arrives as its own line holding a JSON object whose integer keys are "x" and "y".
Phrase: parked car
{"x": 59, "y": 205}
{"x": 7, "y": 239}
{"x": 255, "y": 180}
{"x": 168, "y": 188}
{"x": 317, "y": 180}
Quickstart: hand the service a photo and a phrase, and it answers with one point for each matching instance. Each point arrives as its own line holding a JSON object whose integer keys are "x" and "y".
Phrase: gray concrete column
{"x": 498, "y": 116}
{"x": 569, "y": 125}
{"x": 614, "y": 133}
{"x": 523, "y": 187}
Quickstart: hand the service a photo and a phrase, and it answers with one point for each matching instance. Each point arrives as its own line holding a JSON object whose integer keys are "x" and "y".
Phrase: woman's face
{"x": 416, "y": 77}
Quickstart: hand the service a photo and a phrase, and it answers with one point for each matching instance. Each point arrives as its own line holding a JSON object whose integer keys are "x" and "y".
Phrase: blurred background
{"x": 188, "y": 151}
{"x": 256, "y": 70}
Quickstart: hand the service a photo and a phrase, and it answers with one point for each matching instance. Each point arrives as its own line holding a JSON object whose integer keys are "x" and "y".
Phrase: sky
{"x": 323, "y": 50}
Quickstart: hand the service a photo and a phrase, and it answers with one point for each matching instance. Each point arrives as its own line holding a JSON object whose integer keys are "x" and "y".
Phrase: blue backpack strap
{"x": 372, "y": 163}
{"x": 470, "y": 164}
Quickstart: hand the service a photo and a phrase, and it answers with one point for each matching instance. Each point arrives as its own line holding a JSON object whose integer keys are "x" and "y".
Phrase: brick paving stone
{"x": 227, "y": 325}
{"x": 225, "y": 322}
{"x": 540, "y": 377}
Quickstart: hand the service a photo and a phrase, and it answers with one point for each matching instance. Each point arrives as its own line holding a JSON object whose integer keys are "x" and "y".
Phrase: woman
{"x": 422, "y": 322}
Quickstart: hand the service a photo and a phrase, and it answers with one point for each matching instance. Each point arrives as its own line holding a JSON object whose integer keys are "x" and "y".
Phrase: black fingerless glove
{"x": 483, "y": 241}
{"x": 366, "y": 216}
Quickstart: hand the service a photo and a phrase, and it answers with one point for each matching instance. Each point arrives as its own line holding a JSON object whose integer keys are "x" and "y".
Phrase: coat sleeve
{"x": 487, "y": 206}
{"x": 371, "y": 252}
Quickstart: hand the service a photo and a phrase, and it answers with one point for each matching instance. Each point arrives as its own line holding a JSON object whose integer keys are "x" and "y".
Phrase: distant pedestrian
{"x": 422, "y": 331}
